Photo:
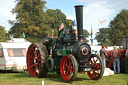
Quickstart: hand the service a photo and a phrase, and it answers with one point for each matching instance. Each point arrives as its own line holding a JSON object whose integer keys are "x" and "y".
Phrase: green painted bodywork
{"x": 63, "y": 50}
{"x": 56, "y": 63}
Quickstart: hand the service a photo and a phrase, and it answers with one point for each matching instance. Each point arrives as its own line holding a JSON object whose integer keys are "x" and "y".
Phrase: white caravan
{"x": 13, "y": 54}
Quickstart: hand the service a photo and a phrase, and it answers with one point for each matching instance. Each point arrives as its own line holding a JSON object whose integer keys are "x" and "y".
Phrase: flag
{"x": 91, "y": 41}
{"x": 74, "y": 23}
{"x": 91, "y": 36}
{"x": 69, "y": 23}
{"x": 91, "y": 30}
{"x": 75, "y": 27}
{"x": 61, "y": 26}
{"x": 102, "y": 21}
{"x": 23, "y": 35}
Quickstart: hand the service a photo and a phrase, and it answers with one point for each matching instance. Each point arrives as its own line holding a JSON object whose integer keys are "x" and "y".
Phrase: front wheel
{"x": 68, "y": 68}
{"x": 98, "y": 67}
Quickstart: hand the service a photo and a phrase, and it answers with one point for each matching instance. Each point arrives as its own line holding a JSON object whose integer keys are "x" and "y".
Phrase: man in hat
{"x": 116, "y": 62}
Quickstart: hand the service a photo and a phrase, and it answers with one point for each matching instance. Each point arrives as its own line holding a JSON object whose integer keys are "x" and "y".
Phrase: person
{"x": 103, "y": 55}
{"x": 116, "y": 62}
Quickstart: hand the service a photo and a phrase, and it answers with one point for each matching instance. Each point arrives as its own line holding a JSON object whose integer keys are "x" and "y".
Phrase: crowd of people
{"x": 115, "y": 54}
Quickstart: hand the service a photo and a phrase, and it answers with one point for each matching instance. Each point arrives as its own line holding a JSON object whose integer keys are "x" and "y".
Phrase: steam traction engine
{"x": 65, "y": 55}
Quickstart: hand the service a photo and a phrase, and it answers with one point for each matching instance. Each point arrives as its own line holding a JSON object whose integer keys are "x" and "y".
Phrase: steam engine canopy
{"x": 81, "y": 50}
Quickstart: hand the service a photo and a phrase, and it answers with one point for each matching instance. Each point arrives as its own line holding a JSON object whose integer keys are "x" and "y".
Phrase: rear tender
{"x": 65, "y": 54}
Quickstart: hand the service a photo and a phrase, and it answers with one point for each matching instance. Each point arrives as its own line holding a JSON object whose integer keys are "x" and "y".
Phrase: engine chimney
{"x": 79, "y": 20}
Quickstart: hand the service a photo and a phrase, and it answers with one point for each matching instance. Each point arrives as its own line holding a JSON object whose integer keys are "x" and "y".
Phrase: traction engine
{"x": 65, "y": 54}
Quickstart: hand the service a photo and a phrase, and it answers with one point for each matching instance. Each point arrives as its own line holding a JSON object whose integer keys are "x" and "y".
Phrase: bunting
{"x": 91, "y": 36}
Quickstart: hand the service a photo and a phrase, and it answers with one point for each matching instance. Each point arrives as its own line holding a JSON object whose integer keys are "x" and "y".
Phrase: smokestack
{"x": 79, "y": 19}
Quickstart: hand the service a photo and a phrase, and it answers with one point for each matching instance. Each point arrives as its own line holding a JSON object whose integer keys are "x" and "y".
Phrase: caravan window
{"x": 1, "y": 53}
{"x": 17, "y": 52}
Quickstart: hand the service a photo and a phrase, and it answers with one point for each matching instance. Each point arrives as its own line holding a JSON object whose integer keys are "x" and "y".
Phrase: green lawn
{"x": 54, "y": 79}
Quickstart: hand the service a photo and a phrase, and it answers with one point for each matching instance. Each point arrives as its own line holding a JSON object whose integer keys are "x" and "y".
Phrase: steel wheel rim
{"x": 33, "y": 60}
{"x": 97, "y": 67}
{"x": 66, "y": 68}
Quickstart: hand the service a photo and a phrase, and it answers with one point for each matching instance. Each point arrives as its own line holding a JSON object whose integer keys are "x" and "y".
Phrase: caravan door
{"x": 2, "y": 59}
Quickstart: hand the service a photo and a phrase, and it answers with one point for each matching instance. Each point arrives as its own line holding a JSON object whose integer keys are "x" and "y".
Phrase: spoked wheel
{"x": 98, "y": 67}
{"x": 35, "y": 60}
{"x": 68, "y": 68}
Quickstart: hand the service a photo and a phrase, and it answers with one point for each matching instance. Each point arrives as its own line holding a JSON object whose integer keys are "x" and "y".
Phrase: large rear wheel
{"x": 36, "y": 60}
{"x": 68, "y": 68}
{"x": 98, "y": 67}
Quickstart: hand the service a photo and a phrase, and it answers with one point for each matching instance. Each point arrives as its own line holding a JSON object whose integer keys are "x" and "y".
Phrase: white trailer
{"x": 13, "y": 54}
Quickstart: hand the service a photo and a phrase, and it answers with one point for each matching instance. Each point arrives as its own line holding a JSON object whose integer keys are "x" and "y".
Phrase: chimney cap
{"x": 79, "y": 6}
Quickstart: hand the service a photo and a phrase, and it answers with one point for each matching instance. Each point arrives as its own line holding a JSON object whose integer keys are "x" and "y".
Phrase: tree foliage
{"x": 102, "y": 36}
{"x": 30, "y": 19}
{"x": 118, "y": 29}
{"x": 35, "y": 20}
{"x": 86, "y": 34}
{"x": 3, "y": 34}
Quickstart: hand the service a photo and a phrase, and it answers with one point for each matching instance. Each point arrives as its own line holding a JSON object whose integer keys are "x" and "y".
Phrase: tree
{"x": 102, "y": 36}
{"x": 3, "y": 34}
{"x": 119, "y": 27}
{"x": 86, "y": 34}
{"x": 30, "y": 19}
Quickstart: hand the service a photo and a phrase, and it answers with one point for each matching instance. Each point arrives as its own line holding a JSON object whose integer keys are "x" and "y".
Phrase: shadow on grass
{"x": 58, "y": 78}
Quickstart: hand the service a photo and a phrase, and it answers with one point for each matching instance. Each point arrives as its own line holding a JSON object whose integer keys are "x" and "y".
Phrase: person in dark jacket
{"x": 103, "y": 55}
{"x": 116, "y": 62}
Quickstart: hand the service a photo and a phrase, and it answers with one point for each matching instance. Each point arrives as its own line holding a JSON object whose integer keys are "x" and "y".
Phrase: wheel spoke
{"x": 71, "y": 68}
{"x": 38, "y": 67}
{"x": 35, "y": 73}
{"x": 33, "y": 51}
{"x": 38, "y": 64}
{"x": 97, "y": 59}
{"x": 38, "y": 60}
{"x": 93, "y": 60}
{"x": 70, "y": 62}
{"x": 33, "y": 65}
{"x": 31, "y": 57}
{"x": 38, "y": 55}
{"x": 94, "y": 73}
{"x": 67, "y": 73}
{"x": 98, "y": 71}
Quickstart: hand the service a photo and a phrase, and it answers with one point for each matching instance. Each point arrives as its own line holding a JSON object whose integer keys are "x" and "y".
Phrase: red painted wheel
{"x": 98, "y": 67}
{"x": 34, "y": 60}
{"x": 68, "y": 68}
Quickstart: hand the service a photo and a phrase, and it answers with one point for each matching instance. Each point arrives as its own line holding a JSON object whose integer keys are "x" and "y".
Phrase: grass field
{"x": 54, "y": 79}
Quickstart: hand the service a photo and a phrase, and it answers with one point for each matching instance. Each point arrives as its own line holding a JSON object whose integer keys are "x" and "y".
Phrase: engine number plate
{"x": 88, "y": 69}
